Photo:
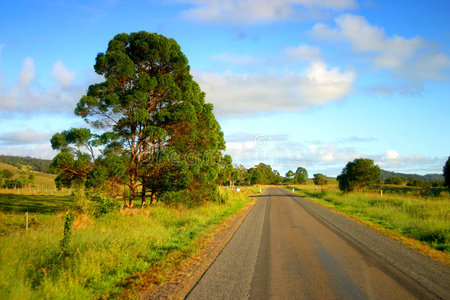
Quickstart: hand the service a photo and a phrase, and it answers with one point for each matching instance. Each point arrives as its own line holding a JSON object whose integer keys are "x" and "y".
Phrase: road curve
{"x": 291, "y": 248}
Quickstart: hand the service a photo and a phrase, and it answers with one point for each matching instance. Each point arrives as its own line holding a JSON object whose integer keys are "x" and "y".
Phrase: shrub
{"x": 102, "y": 204}
{"x": 394, "y": 180}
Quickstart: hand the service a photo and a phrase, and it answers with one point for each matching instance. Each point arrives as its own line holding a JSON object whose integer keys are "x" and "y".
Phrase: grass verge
{"x": 421, "y": 223}
{"x": 108, "y": 254}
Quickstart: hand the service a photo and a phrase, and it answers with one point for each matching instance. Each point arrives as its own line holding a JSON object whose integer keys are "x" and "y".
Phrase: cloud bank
{"x": 24, "y": 137}
{"x": 413, "y": 59}
{"x": 284, "y": 154}
{"x": 262, "y": 11}
{"x": 245, "y": 94}
{"x": 28, "y": 97}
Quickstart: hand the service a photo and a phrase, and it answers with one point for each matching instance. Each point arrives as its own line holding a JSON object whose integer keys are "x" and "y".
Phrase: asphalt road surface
{"x": 290, "y": 248}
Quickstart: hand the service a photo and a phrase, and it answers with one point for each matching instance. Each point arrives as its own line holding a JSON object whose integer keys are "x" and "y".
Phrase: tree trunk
{"x": 143, "y": 196}
{"x": 152, "y": 201}
{"x": 126, "y": 202}
{"x": 132, "y": 187}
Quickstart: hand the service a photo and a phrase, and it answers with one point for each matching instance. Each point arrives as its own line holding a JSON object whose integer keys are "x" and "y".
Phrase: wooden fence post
{"x": 26, "y": 222}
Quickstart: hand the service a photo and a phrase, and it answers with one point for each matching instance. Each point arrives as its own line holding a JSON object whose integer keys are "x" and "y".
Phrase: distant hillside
{"x": 425, "y": 178}
{"x": 35, "y": 164}
{"x": 40, "y": 178}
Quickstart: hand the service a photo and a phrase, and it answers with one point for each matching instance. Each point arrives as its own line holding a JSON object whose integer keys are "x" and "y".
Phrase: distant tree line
{"x": 362, "y": 173}
{"x": 259, "y": 174}
{"x": 397, "y": 180}
{"x": 36, "y": 164}
{"x": 424, "y": 178}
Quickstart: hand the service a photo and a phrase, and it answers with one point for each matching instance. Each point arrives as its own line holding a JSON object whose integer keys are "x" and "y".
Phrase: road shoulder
{"x": 184, "y": 278}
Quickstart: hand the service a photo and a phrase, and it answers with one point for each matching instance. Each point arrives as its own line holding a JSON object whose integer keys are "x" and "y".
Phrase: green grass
{"x": 40, "y": 209}
{"x": 106, "y": 254}
{"x": 40, "y": 179}
{"x": 39, "y": 203}
{"x": 426, "y": 219}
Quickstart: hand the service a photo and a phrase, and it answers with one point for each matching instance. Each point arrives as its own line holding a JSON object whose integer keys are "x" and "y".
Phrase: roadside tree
{"x": 289, "y": 177}
{"x": 446, "y": 170}
{"x": 148, "y": 113}
{"x": 358, "y": 174}
{"x": 320, "y": 179}
{"x": 301, "y": 175}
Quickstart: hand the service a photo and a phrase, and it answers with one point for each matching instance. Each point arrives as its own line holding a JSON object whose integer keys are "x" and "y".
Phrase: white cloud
{"x": 331, "y": 153}
{"x": 283, "y": 154}
{"x": 304, "y": 53}
{"x": 415, "y": 163}
{"x": 27, "y": 142}
{"x": 322, "y": 85}
{"x": 246, "y": 94}
{"x": 26, "y": 98}
{"x": 414, "y": 59}
{"x": 391, "y": 155}
{"x": 62, "y": 74}
{"x": 260, "y": 11}
{"x": 28, "y": 72}
{"x": 236, "y": 59}
{"x": 24, "y": 137}
{"x": 43, "y": 151}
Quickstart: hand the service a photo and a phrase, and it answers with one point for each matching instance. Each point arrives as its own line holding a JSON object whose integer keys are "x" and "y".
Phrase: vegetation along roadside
{"x": 104, "y": 255}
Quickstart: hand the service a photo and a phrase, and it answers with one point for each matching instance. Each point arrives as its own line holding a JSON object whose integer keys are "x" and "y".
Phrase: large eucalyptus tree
{"x": 152, "y": 114}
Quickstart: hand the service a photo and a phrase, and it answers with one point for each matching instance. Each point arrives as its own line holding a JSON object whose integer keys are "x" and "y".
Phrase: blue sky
{"x": 312, "y": 83}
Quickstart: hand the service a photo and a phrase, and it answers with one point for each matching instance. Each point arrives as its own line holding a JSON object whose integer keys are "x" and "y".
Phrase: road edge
{"x": 185, "y": 278}
{"x": 427, "y": 277}
{"x": 409, "y": 242}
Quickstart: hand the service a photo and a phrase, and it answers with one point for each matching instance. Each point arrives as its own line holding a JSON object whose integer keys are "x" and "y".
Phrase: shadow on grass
{"x": 40, "y": 204}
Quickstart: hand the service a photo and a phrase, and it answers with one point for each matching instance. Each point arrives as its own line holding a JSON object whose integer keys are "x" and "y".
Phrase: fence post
{"x": 26, "y": 222}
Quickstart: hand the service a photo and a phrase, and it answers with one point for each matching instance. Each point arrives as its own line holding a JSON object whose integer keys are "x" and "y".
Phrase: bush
{"x": 193, "y": 197}
{"x": 394, "y": 180}
{"x": 6, "y": 173}
{"x": 102, "y": 204}
{"x": 414, "y": 182}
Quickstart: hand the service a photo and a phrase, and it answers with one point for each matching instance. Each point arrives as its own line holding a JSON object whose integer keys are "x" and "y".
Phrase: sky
{"x": 310, "y": 83}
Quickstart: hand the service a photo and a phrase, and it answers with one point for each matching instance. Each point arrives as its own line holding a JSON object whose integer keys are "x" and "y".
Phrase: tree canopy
{"x": 301, "y": 175}
{"x": 358, "y": 174}
{"x": 154, "y": 129}
{"x": 446, "y": 171}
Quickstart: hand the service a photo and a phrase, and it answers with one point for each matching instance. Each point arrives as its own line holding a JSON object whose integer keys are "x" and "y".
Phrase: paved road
{"x": 290, "y": 248}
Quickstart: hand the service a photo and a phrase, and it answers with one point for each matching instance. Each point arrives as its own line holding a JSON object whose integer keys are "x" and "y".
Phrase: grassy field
{"x": 426, "y": 219}
{"x": 105, "y": 255}
{"x": 41, "y": 180}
